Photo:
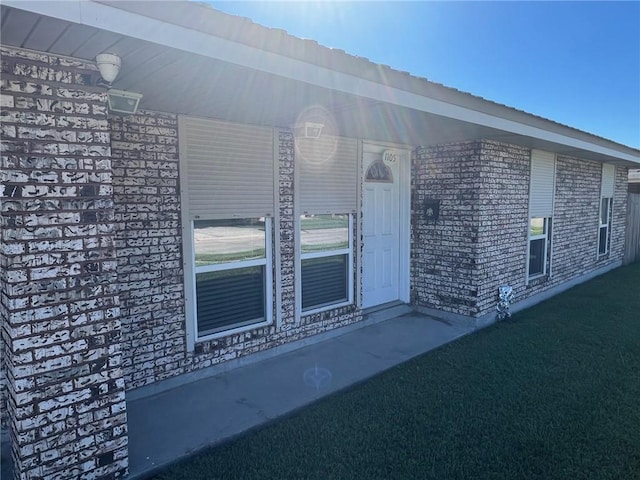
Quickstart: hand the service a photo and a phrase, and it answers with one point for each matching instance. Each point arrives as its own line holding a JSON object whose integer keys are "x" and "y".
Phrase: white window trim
{"x": 324, "y": 253}
{"x": 546, "y": 238}
{"x": 548, "y": 244}
{"x": 188, "y": 261}
{"x": 607, "y": 190}
{"x": 608, "y": 226}
{"x": 219, "y": 267}
{"x": 277, "y": 254}
{"x": 190, "y": 290}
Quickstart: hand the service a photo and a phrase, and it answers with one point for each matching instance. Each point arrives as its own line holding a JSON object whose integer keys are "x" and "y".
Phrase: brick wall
{"x": 148, "y": 243}
{"x": 444, "y": 252}
{"x": 575, "y": 225}
{"x": 286, "y": 152}
{"x": 480, "y": 241}
{"x": 619, "y": 217}
{"x": 503, "y": 221}
{"x": 60, "y": 313}
{"x": 575, "y": 220}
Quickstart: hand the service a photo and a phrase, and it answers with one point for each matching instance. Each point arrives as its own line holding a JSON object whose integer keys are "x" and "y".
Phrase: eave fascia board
{"x": 134, "y": 25}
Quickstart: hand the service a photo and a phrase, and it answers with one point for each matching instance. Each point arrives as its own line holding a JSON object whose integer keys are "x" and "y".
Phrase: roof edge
{"x": 201, "y": 29}
{"x": 244, "y": 30}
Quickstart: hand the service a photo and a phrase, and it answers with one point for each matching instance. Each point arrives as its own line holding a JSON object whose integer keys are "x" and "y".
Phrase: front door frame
{"x": 404, "y": 191}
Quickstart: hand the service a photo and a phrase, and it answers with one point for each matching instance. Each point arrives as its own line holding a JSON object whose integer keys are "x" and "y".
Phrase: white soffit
{"x": 144, "y": 28}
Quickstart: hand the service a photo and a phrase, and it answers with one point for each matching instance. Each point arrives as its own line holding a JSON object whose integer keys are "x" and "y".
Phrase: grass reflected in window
{"x": 324, "y": 232}
{"x": 231, "y": 240}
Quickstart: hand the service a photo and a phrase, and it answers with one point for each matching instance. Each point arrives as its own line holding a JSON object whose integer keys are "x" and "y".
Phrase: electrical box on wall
{"x": 431, "y": 210}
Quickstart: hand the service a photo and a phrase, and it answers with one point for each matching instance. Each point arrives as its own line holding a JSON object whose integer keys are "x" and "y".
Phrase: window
{"x": 227, "y": 190}
{"x": 327, "y": 181}
{"x": 607, "y": 186}
{"x": 232, "y": 276}
{"x": 539, "y": 235}
{"x": 325, "y": 246}
{"x": 541, "y": 196}
{"x": 604, "y": 233}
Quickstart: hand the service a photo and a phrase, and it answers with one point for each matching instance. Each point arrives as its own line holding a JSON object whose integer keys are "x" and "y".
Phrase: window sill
{"x": 537, "y": 280}
{"x": 233, "y": 331}
{"x": 324, "y": 308}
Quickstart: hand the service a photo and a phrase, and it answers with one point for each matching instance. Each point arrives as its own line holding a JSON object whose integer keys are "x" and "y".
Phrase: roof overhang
{"x": 177, "y": 57}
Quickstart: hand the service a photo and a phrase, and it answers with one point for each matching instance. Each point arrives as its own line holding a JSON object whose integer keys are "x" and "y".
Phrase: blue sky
{"x": 577, "y": 63}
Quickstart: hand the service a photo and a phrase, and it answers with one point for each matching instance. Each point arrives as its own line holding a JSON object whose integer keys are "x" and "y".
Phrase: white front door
{"x": 382, "y": 223}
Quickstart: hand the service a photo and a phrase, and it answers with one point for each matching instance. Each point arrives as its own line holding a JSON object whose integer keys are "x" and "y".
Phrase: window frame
{"x": 542, "y": 188}
{"x": 607, "y": 192}
{"x": 267, "y": 262}
{"x": 546, "y": 236}
{"x": 250, "y": 146}
{"x": 606, "y": 226}
{"x": 348, "y": 251}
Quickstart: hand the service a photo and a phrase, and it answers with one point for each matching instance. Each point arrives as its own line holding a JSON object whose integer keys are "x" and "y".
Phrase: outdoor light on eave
{"x": 119, "y": 100}
{"x": 309, "y": 129}
{"x": 109, "y": 66}
{"x": 312, "y": 129}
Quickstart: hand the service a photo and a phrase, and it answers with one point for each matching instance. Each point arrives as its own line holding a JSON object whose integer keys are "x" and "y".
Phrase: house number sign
{"x": 391, "y": 157}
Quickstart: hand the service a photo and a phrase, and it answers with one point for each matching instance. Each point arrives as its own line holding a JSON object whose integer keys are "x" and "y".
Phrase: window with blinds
{"x": 539, "y": 235}
{"x": 543, "y": 166}
{"x": 227, "y": 181}
{"x": 607, "y": 186}
{"x": 328, "y": 174}
{"x": 327, "y": 186}
{"x": 230, "y": 273}
{"x": 541, "y": 197}
{"x": 229, "y": 169}
{"x": 325, "y": 245}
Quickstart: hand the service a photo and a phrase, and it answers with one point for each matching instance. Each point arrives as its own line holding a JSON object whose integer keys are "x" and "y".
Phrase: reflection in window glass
{"x": 536, "y": 257}
{"x": 232, "y": 240}
{"x": 536, "y": 227}
{"x": 602, "y": 240}
{"x": 604, "y": 236}
{"x": 324, "y": 232}
{"x": 604, "y": 211}
{"x": 539, "y": 246}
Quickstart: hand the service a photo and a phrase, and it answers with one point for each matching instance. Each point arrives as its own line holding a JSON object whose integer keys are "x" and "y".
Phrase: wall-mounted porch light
{"x": 123, "y": 102}
{"x": 119, "y": 100}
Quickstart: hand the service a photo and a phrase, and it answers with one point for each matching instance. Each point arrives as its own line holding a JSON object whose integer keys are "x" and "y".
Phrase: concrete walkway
{"x": 176, "y": 423}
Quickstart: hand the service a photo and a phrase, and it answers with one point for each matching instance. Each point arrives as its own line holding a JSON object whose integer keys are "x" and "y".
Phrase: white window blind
{"x": 608, "y": 180}
{"x": 328, "y": 176}
{"x": 229, "y": 169}
{"x": 542, "y": 184}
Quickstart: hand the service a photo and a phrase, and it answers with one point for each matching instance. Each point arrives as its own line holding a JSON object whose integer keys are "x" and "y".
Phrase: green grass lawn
{"x": 552, "y": 394}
